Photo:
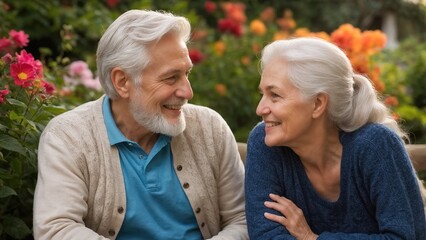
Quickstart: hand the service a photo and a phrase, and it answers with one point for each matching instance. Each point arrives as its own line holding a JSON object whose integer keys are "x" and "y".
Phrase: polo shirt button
{"x": 186, "y": 185}
{"x": 120, "y": 209}
{"x": 203, "y": 224}
{"x": 198, "y": 210}
{"x": 111, "y": 232}
{"x": 179, "y": 167}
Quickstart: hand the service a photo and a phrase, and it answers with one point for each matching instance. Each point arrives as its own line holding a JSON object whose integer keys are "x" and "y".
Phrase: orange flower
{"x": 391, "y": 101}
{"x": 280, "y": 35}
{"x": 286, "y": 22}
{"x": 395, "y": 116}
{"x": 256, "y": 48}
{"x": 235, "y": 11}
{"x": 322, "y": 35}
{"x": 257, "y": 27}
{"x": 220, "y": 88}
{"x": 347, "y": 37}
{"x": 375, "y": 78}
{"x": 359, "y": 62}
{"x": 245, "y": 60}
{"x": 219, "y": 48}
{"x": 268, "y": 14}
{"x": 199, "y": 35}
{"x": 302, "y": 32}
{"x": 372, "y": 41}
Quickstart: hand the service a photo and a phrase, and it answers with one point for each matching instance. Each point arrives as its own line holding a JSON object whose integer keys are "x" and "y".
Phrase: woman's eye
{"x": 274, "y": 95}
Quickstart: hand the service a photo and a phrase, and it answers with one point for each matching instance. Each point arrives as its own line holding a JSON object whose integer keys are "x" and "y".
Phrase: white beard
{"x": 156, "y": 122}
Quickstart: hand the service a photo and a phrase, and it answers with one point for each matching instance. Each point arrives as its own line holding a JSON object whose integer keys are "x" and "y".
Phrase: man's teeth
{"x": 173, "y": 107}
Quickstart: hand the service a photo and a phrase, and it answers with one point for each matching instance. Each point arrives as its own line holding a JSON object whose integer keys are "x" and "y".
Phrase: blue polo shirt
{"x": 157, "y": 207}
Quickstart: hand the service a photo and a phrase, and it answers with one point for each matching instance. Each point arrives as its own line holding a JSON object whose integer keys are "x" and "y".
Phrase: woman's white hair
{"x": 316, "y": 66}
{"x": 124, "y": 43}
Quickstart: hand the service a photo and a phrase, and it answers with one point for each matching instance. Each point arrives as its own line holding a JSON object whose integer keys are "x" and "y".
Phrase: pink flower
{"x": 22, "y": 73}
{"x": 3, "y": 93}
{"x": 28, "y": 58}
{"x": 7, "y": 58}
{"x": 80, "y": 69}
{"x": 79, "y": 73}
{"x": 5, "y": 44}
{"x": 92, "y": 83}
{"x": 20, "y": 39}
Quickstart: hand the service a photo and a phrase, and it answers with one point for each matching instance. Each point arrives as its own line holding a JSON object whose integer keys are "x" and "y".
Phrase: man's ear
{"x": 321, "y": 102}
{"x": 120, "y": 81}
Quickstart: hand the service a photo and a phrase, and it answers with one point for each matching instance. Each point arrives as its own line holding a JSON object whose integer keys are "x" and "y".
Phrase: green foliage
{"x": 226, "y": 77}
{"x": 404, "y": 75}
{"x": 23, "y": 115}
{"x": 232, "y": 91}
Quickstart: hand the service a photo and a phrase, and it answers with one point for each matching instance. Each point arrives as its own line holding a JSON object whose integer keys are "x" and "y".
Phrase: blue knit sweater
{"x": 379, "y": 195}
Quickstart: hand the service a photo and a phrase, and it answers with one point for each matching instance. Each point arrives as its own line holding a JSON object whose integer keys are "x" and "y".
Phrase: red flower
{"x": 49, "y": 87}
{"x": 2, "y": 94}
{"x": 25, "y": 57}
{"x": 22, "y": 73}
{"x": 20, "y": 39}
{"x": 196, "y": 56}
{"x": 210, "y": 6}
{"x": 112, "y": 3}
{"x": 228, "y": 25}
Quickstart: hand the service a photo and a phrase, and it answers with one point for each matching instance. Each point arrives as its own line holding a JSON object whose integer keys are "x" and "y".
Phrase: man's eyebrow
{"x": 174, "y": 71}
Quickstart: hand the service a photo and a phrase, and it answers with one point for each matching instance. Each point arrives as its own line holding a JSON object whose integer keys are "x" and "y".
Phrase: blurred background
{"x": 384, "y": 39}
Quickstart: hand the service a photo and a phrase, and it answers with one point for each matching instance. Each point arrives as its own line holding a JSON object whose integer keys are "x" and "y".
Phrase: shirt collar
{"x": 115, "y": 135}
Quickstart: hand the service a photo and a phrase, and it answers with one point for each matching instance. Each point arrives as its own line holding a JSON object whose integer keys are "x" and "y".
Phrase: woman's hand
{"x": 293, "y": 219}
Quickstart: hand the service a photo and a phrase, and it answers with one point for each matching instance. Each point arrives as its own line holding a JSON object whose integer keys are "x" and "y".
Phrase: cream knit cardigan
{"x": 80, "y": 191}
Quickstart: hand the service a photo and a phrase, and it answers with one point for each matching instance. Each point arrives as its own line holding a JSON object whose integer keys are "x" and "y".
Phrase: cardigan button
{"x": 179, "y": 167}
{"x": 203, "y": 224}
{"x": 111, "y": 232}
{"x": 120, "y": 210}
{"x": 198, "y": 210}
{"x": 186, "y": 185}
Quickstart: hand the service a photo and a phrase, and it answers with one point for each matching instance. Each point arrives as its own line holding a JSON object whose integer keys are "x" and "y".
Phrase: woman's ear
{"x": 120, "y": 82}
{"x": 321, "y": 102}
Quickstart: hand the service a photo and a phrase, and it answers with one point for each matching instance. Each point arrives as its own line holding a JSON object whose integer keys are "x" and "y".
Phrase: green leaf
{"x": 9, "y": 143}
{"x": 14, "y": 116}
{"x": 15, "y": 227}
{"x": 6, "y": 191}
{"x": 55, "y": 109}
{"x": 16, "y": 102}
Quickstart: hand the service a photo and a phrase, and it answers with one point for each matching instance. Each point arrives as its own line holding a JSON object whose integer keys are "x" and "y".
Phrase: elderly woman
{"x": 328, "y": 161}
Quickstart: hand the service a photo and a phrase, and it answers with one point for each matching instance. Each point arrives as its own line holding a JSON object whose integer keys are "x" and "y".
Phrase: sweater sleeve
{"x": 230, "y": 184}
{"x": 61, "y": 193}
{"x": 262, "y": 178}
{"x": 389, "y": 178}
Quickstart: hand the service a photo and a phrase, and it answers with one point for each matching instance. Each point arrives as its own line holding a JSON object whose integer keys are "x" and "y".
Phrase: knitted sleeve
{"x": 262, "y": 177}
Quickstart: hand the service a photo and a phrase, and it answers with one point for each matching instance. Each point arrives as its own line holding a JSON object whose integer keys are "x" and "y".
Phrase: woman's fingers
{"x": 275, "y": 218}
{"x": 282, "y": 205}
